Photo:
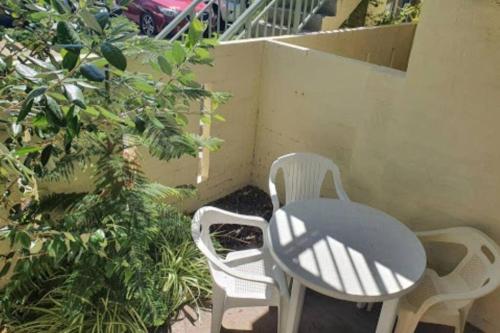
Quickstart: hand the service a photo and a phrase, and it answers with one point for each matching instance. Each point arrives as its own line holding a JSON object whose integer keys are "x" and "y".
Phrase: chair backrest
{"x": 480, "y": 267}
{"x": 304, "y": 174}
{"x": 200, "y": 230}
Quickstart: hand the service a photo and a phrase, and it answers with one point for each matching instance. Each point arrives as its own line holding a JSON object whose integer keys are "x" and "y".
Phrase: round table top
{"x": 346, "y": 250}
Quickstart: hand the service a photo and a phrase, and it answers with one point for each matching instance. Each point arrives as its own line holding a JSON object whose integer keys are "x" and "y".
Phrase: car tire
{"x": 148, "y": 25}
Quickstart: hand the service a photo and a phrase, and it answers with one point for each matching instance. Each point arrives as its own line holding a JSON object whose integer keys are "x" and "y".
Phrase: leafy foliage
{"x": 408, "y": 13}
{"x": 118, "y": 258}
{"x": 366, "y": 13}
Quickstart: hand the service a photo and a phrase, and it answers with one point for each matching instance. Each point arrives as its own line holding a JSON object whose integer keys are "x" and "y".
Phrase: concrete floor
{"x": 320, "y": 314}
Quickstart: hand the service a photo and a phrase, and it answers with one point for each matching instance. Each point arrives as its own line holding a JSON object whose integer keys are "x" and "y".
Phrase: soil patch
{"x": 249, "y": 200}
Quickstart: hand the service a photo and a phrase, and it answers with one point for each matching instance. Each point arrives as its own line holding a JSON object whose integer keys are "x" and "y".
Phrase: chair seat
{"x": 254, "y": 261}
{"x": 432, "y": 284}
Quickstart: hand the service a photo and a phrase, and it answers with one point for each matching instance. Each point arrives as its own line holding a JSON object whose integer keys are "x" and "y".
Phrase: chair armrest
{"x": 337, "y": 181}
{"x": 220, "y": 216}
{"x": 451, "y": 297}
{"x": 273, "y": 192}
{"x": 216, "y": 261}
{"x": 341, "y": 193}
{"x": 448, "y": 235}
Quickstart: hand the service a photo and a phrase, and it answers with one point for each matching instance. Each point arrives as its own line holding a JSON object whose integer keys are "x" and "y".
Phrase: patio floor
{"x": 320, "y": 314}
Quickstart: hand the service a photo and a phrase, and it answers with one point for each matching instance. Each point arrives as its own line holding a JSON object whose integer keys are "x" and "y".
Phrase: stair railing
{"x": 273, "y": 18}
{"x": 232, "y": 19}
{"x": 218, "y": 16}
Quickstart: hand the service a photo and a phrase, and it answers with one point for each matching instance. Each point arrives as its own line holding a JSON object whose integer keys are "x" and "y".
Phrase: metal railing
{"x": 238, "y": 19}
{"x": 273, "y": 18}
{"x": 218, "y": 16}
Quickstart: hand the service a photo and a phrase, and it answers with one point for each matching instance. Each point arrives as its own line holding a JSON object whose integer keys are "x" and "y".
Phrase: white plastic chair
{"x": 446, "y": 300}
{"x": 304, "y": 174}
{"x": 243, "y": 278}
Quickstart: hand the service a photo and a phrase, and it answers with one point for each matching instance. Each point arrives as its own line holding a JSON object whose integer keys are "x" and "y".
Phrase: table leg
{"x": 387, "y": 316}
{"x": 294, "y": 308}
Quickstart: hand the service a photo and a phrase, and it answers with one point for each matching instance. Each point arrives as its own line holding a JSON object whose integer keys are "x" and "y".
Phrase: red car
{"x": 154, "y": 15}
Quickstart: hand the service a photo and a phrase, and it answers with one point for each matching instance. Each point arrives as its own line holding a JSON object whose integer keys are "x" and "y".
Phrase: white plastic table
{"x": 345, "y": 250}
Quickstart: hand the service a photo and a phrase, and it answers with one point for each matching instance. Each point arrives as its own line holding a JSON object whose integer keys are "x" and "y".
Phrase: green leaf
{"x": 128, "y": 274}
{"x": 195, "y": 32}
{"x": 203, "y": 55}
{"x": 70, "y": 59}
{"x": 92, "y": 73}
{"x": 103, "y": 18}
{"x": 51, "y": 249}
{"x": 84, "y": 84}
{"x": 36, "y": 246}
{"x": 85, "y": 238}
{"x": 110, "y": 115}
{"x": 5, "y": 268}
{"x": 90, "y": 21}
{"x": 26, "y": 150}
{"x": 140, "y": 124}
{"x": 69, "y": 236}
{"x": 24, "y": 239}
{"x": 3, "y": 65}
{"x": 73, "y": 121}
{"x": 178, "y": 52}
{"x": 74, "y": 95}
{"x": 218, "y": 117}
{"x": 67, "y": 36}
{"x": 210, "y": 42}
{"x": 27, "y": 72}
{"x": 143, "y": 86}
{"x": 36, "y": 92}
{"x": 57, "y": 96}
{"x": 98, "y": 236}
{"x": 42, "y": 64}
{"x": 156, "y": 122}
{"x": 92, "y": 111}
{"x": 164, "y": 65}
{"x": 53, "y": 111}
{"x": 28, "y": 102}
{"x": 40, "y": 121}
{"x": 46, "y": 153}
{"x": 60, "y": 6}
{"x": 114, "y": 56}
{"x": 25, "y": 109}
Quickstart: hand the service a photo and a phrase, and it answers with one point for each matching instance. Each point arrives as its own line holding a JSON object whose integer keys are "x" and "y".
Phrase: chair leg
{"x": 280, "y": 318}
{"x": 294, "y": 309}
{"x": 282, "y": 314}
{"x": 460, "y": 326}
{"x": 218, "y": 300}
{"x": 405, "y": 324}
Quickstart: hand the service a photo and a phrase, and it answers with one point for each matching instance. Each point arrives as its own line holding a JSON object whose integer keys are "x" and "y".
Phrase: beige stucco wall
{"x": 421, "y": 145}
{"x": 333, "y": 109}
{"x": 386, "y": 46}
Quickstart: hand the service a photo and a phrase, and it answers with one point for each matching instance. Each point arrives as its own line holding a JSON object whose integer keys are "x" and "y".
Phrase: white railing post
{"x": 297, "y": 16}
{"x": 248, "y": 28}
{"x": 178, "y": 19}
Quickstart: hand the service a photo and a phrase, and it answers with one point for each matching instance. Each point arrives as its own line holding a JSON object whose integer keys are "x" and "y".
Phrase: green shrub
{"x": 117, "y": 258}
{"x": 74, "y": 299}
